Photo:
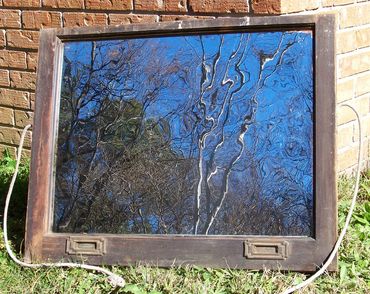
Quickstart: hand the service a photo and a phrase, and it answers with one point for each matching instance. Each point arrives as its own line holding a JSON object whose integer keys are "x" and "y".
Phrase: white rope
{"x": 116, "y": 280}
{"x": 113, "y": 279}
{"x": 349, "y": 215}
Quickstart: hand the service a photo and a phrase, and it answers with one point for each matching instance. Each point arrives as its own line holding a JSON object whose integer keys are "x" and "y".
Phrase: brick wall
{"x": 21, "y": 20}
{"x": 353, "y": 70}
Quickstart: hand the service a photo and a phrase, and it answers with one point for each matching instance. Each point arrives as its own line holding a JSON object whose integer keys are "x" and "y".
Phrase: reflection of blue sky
{"x": 262, "y": 82}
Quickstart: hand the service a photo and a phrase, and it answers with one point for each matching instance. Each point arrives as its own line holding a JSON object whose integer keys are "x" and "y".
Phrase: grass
{"x": 353, "y": 275}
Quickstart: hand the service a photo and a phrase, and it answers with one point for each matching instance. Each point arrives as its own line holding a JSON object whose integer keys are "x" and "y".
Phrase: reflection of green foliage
{"x": 155, "y": 136}
{"x": 123, "y": 126}
{"x": 353, "y": 275}
{"x": 120, "y": 121}
{"x": 118, "y": 136}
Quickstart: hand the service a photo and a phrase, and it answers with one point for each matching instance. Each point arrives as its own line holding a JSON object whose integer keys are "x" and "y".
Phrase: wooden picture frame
{"x": 250, "y": 252}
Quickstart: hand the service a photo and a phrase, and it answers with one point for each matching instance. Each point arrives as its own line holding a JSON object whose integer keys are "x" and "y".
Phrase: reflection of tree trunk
{"x": 225, "y": 180}
{"x": 142, "y": 220}
{"x": 117, "y": 138}
{"x": 248, "y": 120}
{"x": 207, "y": 188}
{"x": 202, "y": 137}
{"x": 225, "y": 108}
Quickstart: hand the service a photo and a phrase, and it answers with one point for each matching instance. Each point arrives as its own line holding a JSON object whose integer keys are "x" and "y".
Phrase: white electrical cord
{"x": 113, "y": 279}
{"x": 349, "y": 215}
{"x": 116, "y": 280}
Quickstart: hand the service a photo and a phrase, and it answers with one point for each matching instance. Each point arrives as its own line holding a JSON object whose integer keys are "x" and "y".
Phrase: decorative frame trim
{"x": 305, "y": 253}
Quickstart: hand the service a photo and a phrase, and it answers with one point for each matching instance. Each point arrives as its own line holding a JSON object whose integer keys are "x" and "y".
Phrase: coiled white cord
{"x": 116, "y": 280}
{"x": 348, "y": 218}
{"x": 113, "y": 279}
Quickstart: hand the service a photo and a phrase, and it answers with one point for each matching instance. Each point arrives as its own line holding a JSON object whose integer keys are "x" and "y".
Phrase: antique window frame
{"x": 251, "y": 252}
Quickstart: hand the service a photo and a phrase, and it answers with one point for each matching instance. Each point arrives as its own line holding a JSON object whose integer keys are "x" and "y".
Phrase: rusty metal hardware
{"x": 266, "y": 249}
{"x": 85, "y": 246}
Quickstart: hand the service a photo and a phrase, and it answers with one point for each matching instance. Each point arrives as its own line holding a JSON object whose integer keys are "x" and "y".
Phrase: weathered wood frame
{"x": 304, "y": 253}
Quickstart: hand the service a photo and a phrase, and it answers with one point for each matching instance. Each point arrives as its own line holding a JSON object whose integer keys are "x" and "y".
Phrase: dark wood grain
{"x": 325, "y": 153}
{"x": 41, "y": 161}
{"x": 305, "y": 253}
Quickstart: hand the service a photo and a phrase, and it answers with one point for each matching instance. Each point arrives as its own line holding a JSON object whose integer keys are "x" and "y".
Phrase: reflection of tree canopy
{"x": 179, "y": 135}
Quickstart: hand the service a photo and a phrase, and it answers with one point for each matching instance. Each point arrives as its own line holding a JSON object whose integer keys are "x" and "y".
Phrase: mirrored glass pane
{"x": 194, "y": 134}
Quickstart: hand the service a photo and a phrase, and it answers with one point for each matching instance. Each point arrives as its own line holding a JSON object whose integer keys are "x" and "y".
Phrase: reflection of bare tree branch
{"x": 248, "y": 120}
{"x": 171, "y": 145}
{"x": 203, "y": 82}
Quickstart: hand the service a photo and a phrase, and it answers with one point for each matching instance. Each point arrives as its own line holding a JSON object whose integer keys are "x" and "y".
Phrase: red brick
{"x": 13, "y": 136}
{"x": 41, "y": 19}
{"x": 32, "y": 60}
{"x": 354, "y": 15}
{"x": 266, "y": 6}
{"x": 346, "y": 41}
{"x": 346, "y": 158}
{"x": 22, "y": 39}
{"x": 218, "y": 6}
{"x": 366, "y": 123}
{"x": 2, "y": 39}
{"x": 6, "y": 116}
{"x": 363, "y": 84}
{"x": 345, "y": 115}
{"x": 63, "y": 3}
{"x": 26, "y": 153}
{"x": 161, "y": 5}
{"x": 354, "y": 63}
{"x": 10, "y": 18}
{"x": 109, "y": 4}
{"x": 345, "y": 90}
{"x": 168, "y": 17}
{"x": 13, "y": 59}
{"x": 326, "y": 3}
{"x": 23, "y": 80}
{"x": 12, "y": 150}
{"x": 150, "y": 5}
{"x": 347, "y": 135}
{"x": 32, "y": 101}
{"x": 175, "y": 5}
{"x": 14, "y": 98}
{"x": 350, "y": 40}
{"x": 363, "y": 38}
{"x": 4, "y": 78}
{"x": 290, "y": 6}
{"x": 115, "y": 19}
{"x": 22, "y": 3}
{"x": 74, "y": 19}
{"x": 23, "y": 118}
